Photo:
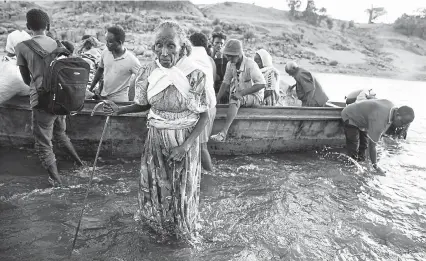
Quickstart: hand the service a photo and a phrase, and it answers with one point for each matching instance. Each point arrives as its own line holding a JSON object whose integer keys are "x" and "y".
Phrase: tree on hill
{"x": 310, "y": 13}
{"x": 322, "y": 14}
{"x": 374, "y": 13}
{"x": 310, "y": 7}
{"x": 293, "y": 5}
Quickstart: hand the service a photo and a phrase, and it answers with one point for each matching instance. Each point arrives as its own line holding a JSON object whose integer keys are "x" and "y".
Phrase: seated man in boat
{"x": 202, "y": 59}
{"x": 365, "y": 122}
{"x": 117, "y": 67}
{"x": 45, "y": 125}
{"x": 220, "y": 60}
{"x": 368, "y": 94}
{"x": 244, "y": 80}
{"x": 308, "y": 89}
{"x": 271, "y": 75}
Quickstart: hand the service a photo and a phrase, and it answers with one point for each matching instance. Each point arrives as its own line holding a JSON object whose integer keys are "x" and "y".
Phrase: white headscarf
{"x": 267, "y": 66}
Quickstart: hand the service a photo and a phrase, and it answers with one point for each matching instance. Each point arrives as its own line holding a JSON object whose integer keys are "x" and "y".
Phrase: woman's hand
{"x": 178, "y": 153}
{"x": 110, "y": 108}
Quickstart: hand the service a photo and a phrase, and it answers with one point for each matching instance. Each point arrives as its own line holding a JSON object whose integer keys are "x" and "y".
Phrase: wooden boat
{"x": 255, "y": 130}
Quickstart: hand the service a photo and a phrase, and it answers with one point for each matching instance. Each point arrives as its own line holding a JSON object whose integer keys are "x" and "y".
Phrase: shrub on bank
{"x": 343, "y": 27}
{"x": 411, "y": 25}
{"x": 216, "y": 21}
{"x": 330, "y": 23}
{"x": 249, "y": 35}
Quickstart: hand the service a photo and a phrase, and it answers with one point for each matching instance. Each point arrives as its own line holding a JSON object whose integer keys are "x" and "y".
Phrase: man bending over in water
{"x": 364, "y": 123}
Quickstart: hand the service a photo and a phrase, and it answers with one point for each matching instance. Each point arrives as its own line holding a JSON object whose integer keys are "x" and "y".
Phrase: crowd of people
{"x": 180, "y": 89}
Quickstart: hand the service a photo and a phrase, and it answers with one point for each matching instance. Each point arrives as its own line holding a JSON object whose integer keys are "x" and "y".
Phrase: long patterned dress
{"x": 169, "y": 190}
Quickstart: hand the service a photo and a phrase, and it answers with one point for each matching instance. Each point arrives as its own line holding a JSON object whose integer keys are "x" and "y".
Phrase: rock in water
{"x": 11, "y": 82}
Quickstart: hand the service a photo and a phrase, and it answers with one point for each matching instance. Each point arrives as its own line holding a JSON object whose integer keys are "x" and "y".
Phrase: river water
{"x": 300, "y": 206}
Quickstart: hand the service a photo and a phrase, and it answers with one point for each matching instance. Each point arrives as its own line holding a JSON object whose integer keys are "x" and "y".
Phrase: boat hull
{"x": 255, "y": 130}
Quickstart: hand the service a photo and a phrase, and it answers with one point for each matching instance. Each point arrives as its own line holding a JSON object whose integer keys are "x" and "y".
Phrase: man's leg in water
{"x": 42, "y": 127}
{"x": 352, "y": 140}
{"x": 363, "y": 145}
{"x": 62, "y": 138}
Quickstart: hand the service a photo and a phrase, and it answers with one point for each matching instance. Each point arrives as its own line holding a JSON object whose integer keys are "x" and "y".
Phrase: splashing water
{"x": 360, "y": 168}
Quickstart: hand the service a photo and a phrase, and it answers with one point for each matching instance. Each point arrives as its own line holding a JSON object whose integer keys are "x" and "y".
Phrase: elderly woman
{"x": 173, "y": 88}
{"x": 271, "y": 75}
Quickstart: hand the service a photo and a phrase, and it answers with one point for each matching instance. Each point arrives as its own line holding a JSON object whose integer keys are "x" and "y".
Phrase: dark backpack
{"x": 64, "y": 82}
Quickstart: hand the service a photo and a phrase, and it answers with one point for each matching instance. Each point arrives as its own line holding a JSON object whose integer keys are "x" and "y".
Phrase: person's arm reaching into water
{"x": 373, "y": 152}
{"x": 374, "y": 138}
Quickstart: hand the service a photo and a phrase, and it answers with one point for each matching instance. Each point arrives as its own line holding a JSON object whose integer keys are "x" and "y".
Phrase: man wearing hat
{"x": 244, "y": 80}
{"x": 308, "y": 89}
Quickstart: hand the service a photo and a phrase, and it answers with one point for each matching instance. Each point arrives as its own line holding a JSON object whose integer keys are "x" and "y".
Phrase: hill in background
{"x": 370, "y": 50}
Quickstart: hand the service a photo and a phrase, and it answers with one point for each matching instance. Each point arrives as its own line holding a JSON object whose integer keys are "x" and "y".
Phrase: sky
{"x": 344, "y": 9}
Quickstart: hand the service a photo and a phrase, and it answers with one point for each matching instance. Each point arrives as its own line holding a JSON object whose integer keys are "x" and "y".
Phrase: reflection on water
{"x": 305, "y": 206}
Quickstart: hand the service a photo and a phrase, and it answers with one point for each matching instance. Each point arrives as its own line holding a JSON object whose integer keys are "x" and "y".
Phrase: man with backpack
{"x": 35, "y": 58}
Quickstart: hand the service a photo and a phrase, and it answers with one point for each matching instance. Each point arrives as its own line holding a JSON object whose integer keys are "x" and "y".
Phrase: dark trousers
{"x": 46, "y": 126}
{"x": 356, "y": 141}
